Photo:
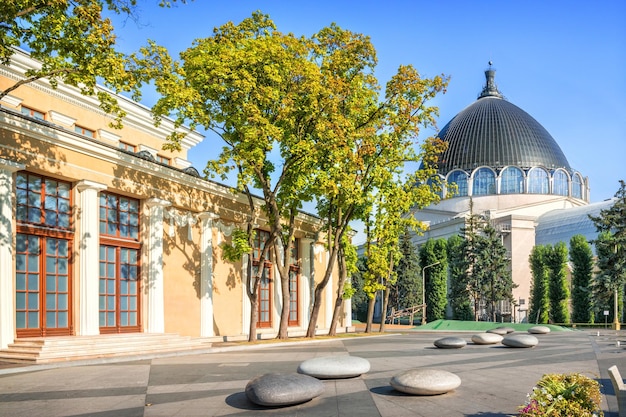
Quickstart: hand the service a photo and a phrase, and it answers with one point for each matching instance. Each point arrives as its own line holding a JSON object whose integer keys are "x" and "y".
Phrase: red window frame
{"x": 127, "y": 146}
{"x": 294, "y": 280}
{"x": 120, "y": 264}
{"x": 85, "y": 131}
{"x": 43, "y": 290}
{"x": 266, "y": 288}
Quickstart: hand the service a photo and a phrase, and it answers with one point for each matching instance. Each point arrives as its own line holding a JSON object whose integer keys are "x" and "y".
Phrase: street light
{"x": 424, "y": 290}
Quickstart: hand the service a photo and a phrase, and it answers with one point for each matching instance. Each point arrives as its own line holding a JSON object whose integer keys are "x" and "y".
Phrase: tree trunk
{"x": 319, "y": 288}
{"x": 284, "y": 313}
{"x": 343, "y": 276}
{"x": 383, "y": 314}
{"x": 370, "y": 314}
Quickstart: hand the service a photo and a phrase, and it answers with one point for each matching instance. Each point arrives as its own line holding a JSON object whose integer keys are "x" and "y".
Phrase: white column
{"x": 246, "y": 307}
{"x": 7, "y": 290}
{"x": 154, "y": 249}
{"x": 306, "y": 281}
{"x": 206, "y": 274}
{"x": 89, "y": 259}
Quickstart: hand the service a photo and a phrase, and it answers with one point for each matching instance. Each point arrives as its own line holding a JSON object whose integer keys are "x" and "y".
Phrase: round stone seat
{"x": 509, "y": 330}
{"x": 520, "y": 341}
{"x": 425, "y": 381}
{"x": 498, "y": 330}
{"x": 486, "y": 338}
{"x": 277, "y": 390}
{"x": 450, "y": 343}
{"x": 328, "y": 367}
{"x": 539, "y": 330}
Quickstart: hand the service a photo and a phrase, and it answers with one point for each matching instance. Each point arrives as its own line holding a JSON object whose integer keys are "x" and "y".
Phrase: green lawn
{"x": 458, "y": 325}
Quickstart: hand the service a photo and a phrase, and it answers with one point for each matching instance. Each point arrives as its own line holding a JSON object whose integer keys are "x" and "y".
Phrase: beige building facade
{"x": 102, "y": 231}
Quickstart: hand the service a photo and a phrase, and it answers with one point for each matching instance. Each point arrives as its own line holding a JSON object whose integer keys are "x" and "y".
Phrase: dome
{"x": 495, "y": 133}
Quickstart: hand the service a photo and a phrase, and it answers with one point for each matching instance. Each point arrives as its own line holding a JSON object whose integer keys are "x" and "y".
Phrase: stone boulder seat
{"x": 498, "y": 330}
{"x": 520, "y": 341}
{"x": 450, "y": 343}
{"x": 279, "y": 390}
{"x": 486, "y": 338}
{"x": 425, "y": 381}
{"x": 334, "y": 367}
{"x": 539, "y": 330}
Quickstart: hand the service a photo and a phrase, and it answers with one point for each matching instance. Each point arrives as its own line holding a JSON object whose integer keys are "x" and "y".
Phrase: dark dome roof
{"x": 493, "y": 132}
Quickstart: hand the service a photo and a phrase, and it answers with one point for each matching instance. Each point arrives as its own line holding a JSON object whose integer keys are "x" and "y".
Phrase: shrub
{"x": 561, "y": 395}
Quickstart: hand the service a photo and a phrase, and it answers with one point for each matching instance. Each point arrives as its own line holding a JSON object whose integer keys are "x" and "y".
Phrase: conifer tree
{"x": 408, "y": 288}
{"x": 433, "y": 254}
{"x": 581, "y": 256}
{"x": 459, "y": 297}
{"x": 539, "y": 299}
{"x": 557, "y": 287}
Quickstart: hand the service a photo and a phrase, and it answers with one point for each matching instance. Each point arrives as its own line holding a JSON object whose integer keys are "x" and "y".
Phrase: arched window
{"x": 560, "y": 183}
{"x": 511, "y": 181}
{"x": 484, "y": 182}
{"x": 538, "y": 181}
{"x": 577, "y": 186}
{"x": 459, "y": 178}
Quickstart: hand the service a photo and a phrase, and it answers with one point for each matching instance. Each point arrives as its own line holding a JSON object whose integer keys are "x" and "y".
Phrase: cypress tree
{"x": 558, "y": 288}
{"x": 539, "y": 309}
{"x": 581, "y": 256}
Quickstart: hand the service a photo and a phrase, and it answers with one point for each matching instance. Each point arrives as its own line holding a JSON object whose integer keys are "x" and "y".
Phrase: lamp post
{"x": 424, "y": 290}
{"x": 616, "y": 323}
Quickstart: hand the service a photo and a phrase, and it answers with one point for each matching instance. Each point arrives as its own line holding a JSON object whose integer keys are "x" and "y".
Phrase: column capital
{"x": 10, "y": 165}
{"x": 90, "y": 185}
{"x": 157, "y": 202}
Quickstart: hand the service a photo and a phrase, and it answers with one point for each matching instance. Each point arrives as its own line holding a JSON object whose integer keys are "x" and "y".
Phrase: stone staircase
{"x": 43, "y": 350}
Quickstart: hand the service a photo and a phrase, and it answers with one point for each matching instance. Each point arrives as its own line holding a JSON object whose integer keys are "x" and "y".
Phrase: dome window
{"x": 484, "y": 182}
{"x": 459, "y": 179}
{"x": 560, "y": 183}
{"x": 538, "y": 181}
{"x": 577, "y": 186}
{"x": 512, "y": 181}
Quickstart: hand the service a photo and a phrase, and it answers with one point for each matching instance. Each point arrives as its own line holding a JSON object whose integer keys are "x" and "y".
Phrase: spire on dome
{"x": 490, "y": 89}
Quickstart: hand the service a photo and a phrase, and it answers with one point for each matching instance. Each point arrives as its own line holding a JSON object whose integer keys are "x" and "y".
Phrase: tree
{"x": 558, "y": 290}
{"x": 75, "y": 45}
{"x": 347, "y": 263}
{"x": 433, "y": 254}
{"x": 539, "y": 309}
{"x": 354, "y": 289}
{"x": 605, "y": 286}
{"x": 581, "y": 256}
{"x": 611, "y": 244}
{"x": 407, "y": 292}
{"x": 300, "y": 121}
{"x": 460, "y": 297}
{"x": 492, "y": 270}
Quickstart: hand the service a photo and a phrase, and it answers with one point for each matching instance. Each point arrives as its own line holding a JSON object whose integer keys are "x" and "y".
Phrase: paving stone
{"x": 338, "y": 366}
{"x": 539, "y": 330}
{"x": 520, "y": 341}
{"x": 276, "y": 390}
{"x": 425, "y": 381}
{"x": 450, "y": 343}
{"x": 486, "y": 338}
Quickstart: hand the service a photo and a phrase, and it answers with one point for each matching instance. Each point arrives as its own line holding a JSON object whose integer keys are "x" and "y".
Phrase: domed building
{"x": 512, "y": 170}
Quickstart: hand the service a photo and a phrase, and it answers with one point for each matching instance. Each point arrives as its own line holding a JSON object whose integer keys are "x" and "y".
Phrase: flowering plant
{"x": 561, "y": 395}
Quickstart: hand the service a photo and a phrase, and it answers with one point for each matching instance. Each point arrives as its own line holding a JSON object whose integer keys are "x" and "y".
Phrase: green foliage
{"x": 605, "y": 282}
{"x": 433, "y": 257}
{"x": 359, "y": 297}
{"x": 564, "y": 395}
{"x": 459, "y": 296}
{"x": 558, "y": 289}
{"x": 239, "y": 246}
{"x": 492, "y": 268}
{"x": 75, "y": 44}
{"x": 539, "y": 310}
{"x": 581, "y": 256}
{"x": 407, "y": 291}
{"x": 611, "y": 250}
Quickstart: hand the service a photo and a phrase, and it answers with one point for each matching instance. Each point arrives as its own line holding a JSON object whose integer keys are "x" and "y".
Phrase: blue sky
{"x": 563, "y": 62}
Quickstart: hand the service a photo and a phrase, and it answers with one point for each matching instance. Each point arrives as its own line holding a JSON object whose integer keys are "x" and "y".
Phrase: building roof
{"x": 496, "y": 133}
{"x": 560, "y": 225}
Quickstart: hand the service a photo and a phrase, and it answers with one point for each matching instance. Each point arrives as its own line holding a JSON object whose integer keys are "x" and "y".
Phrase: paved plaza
{"x": 495, "y": 379}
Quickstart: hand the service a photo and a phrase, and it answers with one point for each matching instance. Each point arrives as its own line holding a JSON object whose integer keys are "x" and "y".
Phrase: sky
{"x": 563, "y": 62}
